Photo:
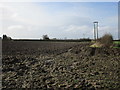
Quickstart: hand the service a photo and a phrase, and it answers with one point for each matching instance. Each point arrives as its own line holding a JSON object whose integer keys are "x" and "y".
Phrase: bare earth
{"x": 59, "y": 65}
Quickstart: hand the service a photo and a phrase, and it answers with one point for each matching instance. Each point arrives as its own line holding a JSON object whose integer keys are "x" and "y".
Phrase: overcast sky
{"x": 58, "y": 19}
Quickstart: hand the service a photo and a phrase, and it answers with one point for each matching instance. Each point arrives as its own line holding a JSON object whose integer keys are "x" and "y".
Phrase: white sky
{"x": 59, "y": 20}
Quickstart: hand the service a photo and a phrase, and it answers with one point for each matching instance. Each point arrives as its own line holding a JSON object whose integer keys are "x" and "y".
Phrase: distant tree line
{"x": 46, "y": 38}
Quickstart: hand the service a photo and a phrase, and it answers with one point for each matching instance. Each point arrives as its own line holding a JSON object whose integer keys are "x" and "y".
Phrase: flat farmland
{"x": 59, "y": 65}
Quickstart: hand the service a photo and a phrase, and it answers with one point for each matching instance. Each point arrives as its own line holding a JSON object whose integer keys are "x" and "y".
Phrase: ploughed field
{"x": 59, "y": 65}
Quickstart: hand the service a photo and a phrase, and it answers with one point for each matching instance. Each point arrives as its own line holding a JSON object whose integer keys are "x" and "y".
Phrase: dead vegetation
{"x": 105, "y": 41}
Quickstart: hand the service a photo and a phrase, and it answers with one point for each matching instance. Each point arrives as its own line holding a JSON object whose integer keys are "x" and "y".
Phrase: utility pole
{"x": 95, "y": 30}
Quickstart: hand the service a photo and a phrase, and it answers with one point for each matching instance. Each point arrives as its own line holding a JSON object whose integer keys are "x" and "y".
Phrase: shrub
{"x": 6, "y": 38}
{"x": 45, "y": 37}
{"x": 106, "y": 40}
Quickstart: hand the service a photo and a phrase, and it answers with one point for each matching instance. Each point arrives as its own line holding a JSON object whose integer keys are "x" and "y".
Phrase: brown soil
{"x": 59, "y": 65}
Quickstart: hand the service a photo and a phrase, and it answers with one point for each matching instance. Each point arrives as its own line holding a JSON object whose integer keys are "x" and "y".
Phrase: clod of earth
{"x": 59, "y": 65}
